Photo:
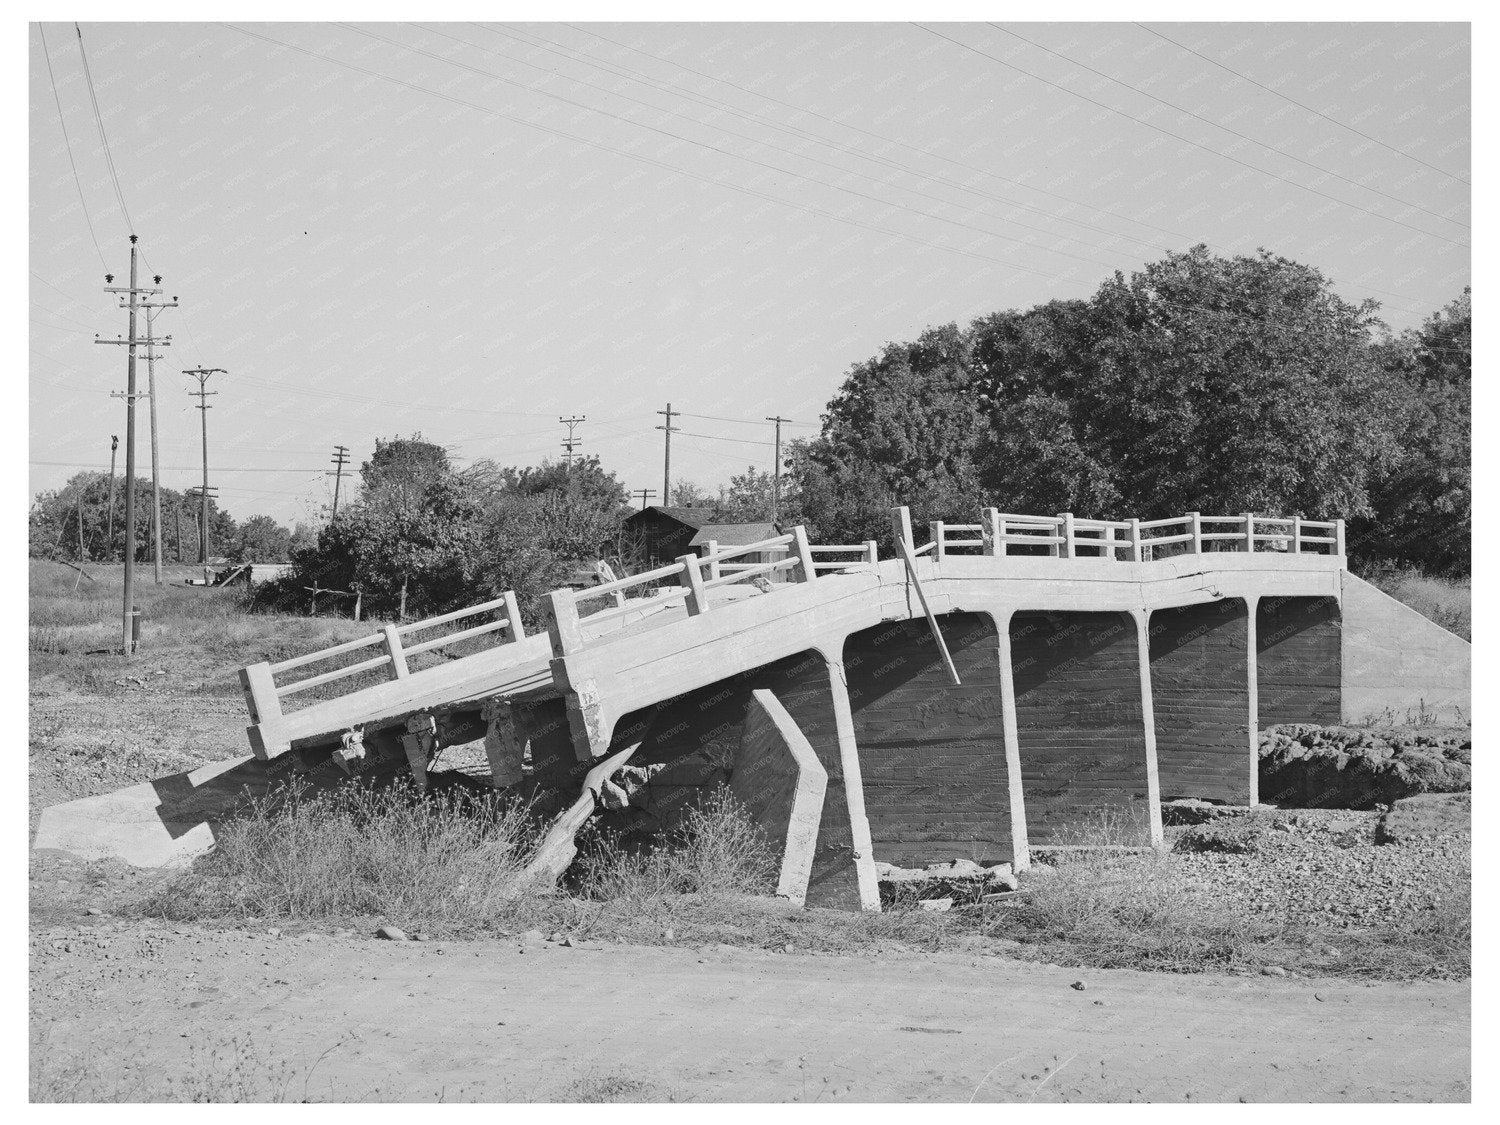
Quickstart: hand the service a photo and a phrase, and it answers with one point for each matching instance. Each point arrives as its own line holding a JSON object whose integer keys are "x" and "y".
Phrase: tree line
{"x": 1200, "y": 383}
{"x": 83, "y": 522}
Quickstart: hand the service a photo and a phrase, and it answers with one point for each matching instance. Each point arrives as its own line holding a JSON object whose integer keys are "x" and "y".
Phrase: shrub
{"x": 358, "y": 850}
{"x": 716, "y": 851}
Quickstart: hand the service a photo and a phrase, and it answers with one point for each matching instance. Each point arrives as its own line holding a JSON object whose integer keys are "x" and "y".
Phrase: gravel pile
{"x": 1324, "y": 868}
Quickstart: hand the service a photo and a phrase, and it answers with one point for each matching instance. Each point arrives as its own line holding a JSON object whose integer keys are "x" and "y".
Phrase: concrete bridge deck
{"x": 971, "y": 698}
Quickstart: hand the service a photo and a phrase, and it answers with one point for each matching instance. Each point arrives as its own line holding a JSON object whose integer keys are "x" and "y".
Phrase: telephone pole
{"x": 340, "y": 459}
{"x": 644, "y": 494}
{"x": 151, "y": 308}
{"x": 202, "y": 375}
{"x": 666, "y": 474}
{"x": 132, "y": 302}
{"x": 109, "y": 518}
{"x": 571, "y": 443}
{"x": 776, "y": 484}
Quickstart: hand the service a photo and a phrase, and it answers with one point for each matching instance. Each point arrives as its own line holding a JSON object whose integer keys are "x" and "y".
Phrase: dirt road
{"x": 122, "y": 1010}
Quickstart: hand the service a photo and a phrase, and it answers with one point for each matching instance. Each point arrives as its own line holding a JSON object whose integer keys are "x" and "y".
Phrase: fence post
{"x": 939, "y": 550}
{"x": 399, "y": 671}
{"x": 1338, "y": 538}
{"x": 1250, "y": 532}
{"x": 1296, "y": 535}
{"x": 514, "y": 627}
{"x": 872, "y": 551}
{"x": 1066, "y": 548}
{"x": 713, "y": 563}
{"x": 359, "y": 600}
{"x": 1137, "y": 548}
{"x": 1195, "y": 526}
{"x": 806, "y": 570}
{"x": 692, "y": 570}
{"x": 562, "y": 623}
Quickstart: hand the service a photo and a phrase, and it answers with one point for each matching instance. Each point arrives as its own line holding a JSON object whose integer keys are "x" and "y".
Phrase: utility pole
{"x": 340, "y": 459}
{"x": 571, "y": 443}
{"x": 644, "y": 494}
{"x": 666, "y": 474}
{"x": 202, "y": 375}
{"x": 151, "y": 308}
{"x": 177, "y": 538}
{"x": 132, "y": 303}
{"x": 776, "y": 485}
{"x": 109, "y": 518}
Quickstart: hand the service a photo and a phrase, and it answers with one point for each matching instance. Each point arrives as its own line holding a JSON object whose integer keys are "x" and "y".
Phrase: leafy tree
{"x": 1422, "y": 504}
{"x": 687, "y": 494}
{"x": 261, "y": 539}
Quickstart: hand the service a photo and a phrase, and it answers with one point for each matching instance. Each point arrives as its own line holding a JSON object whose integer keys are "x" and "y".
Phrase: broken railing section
{"x": 692, "y": 580}
{"x": 775, "y": 776}
{"x": 1134, "y": 540}
{"x": 264, "y": 695}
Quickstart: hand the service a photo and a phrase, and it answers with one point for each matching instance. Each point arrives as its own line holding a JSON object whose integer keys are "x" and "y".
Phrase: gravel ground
{"x": 1323, "y": 868}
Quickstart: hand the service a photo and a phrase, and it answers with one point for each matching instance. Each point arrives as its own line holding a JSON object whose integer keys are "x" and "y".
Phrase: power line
{"x": 103, "y": 139}
{"x": 1227, "y": 129}
{"x": 735, "y": 155}
{"x": 1185, "y": 140}
{"x": 800, "y": 134}
{"x": 638, "y": 158}
{"x": 1302, "y": 106}
{"x": 815, "y": 137}
{"x": 746, "y": 421}
{"x": 68, "y": 144}
{"x": 878, "y": 136}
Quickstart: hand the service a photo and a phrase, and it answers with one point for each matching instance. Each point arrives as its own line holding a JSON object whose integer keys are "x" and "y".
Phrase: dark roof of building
{"x": 734, "y": 534}
{"x": 691, "y": 517}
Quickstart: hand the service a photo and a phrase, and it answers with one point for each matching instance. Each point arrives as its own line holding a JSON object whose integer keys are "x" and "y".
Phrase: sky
{"x": 468, "y": 231}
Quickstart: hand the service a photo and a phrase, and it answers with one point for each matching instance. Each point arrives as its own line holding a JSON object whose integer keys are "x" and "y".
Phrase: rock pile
{"x": 961, "y": 881}
{"x": 1341, "y": 767}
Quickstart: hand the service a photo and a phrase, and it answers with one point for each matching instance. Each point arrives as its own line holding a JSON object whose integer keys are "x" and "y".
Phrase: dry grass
{"x": 387, "y": 853}
{"x": 1446, "y": 601}
{"x": 1130, "y": 911}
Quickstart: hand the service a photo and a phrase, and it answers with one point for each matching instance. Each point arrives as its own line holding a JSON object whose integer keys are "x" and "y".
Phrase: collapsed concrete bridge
{"x": 985, "y": 694}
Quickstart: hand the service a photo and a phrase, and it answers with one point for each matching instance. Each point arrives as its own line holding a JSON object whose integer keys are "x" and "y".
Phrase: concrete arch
{"x": 1201, "y": 664}
{"x": 937, "y": 777}
{"x": 1083, "y": 725}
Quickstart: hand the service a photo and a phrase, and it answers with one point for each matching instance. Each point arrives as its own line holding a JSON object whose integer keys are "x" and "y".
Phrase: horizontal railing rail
{"x": 264, "y": 694}
{"x": 1067, "y": 536}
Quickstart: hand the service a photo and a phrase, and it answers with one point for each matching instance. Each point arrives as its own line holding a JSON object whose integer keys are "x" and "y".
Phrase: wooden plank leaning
{"x": 902, "y": 520}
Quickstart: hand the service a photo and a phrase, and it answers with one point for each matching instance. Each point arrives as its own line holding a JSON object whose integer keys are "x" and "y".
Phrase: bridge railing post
{"x": 562, "y": 623}
{"x": 692, "y": 572}
{"x": 939, "y": 549}
{"x": 901, "y": 525}
{"x": 872, "y": 551}
{"x": 1137, "y": 548}
{"x": 1249, "y": 532}
{"x": 1338, "y": 538}
{"x": 513, "y": 625}
{"x": 806, "y": 569}
{"x": 393, "y": 648}
{"x": 1068, "y": 547}
{"x": 1296, "y": 535}
{"x": 713, "y": 562}
{"x": 1195, "y": 528}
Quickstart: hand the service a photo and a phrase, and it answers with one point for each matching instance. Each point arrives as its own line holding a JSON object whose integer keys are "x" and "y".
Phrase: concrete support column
{"x": 854, "y": 787}
{"x": 1252, "y": 686}
{"x": 1148, "y": 718}
{"x": 1020, "y": 844}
